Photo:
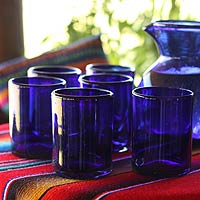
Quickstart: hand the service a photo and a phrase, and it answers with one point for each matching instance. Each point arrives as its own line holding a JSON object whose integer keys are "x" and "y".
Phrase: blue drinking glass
{"x": 30, "y": 116}
{"x": 82, "y": 132}
{"x": 121, "y": 86}
{"x": 70, "y": 74}
{"x": 162, "y": 131}
{"x": 94, "y": 68}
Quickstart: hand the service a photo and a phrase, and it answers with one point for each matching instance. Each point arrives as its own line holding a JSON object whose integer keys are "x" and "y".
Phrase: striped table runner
{"x": 35, "y": 179}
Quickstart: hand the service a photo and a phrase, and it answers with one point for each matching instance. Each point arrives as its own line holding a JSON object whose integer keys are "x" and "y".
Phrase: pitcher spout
{"x": 149, "y": 29}
{"x": 175, "y": 37}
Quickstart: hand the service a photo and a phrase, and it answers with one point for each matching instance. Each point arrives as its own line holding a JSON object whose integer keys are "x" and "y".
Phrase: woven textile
{"x": 35, "y": 179}
{"x": 77, "y": 54}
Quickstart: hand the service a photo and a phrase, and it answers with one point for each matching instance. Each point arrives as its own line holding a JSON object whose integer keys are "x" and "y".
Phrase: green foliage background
{"x": 141, "y": 54}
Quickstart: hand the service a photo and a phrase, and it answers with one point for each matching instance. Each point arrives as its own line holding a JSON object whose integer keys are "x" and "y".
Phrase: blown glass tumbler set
{"x": 98, "y": 118}
{"x": 30, "y": 115}
{"x": 82, "y": 137}
{"x": 162, "y": 131}
{"x": 121, "y": 86}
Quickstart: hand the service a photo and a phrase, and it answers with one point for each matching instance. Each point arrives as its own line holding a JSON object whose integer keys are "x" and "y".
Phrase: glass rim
{"x": 20, "y": 81}
{"x": 188, "y": 93}
{"x": 98, "y": 66}
{"x": 127, "y": 79}
{"x": 105, "y": 93}
{"x": 185, "y": 24}
{"x": 36, "y": 69}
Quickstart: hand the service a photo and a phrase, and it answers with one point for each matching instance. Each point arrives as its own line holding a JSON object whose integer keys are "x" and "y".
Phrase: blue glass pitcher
{"x": 178, "y": 65}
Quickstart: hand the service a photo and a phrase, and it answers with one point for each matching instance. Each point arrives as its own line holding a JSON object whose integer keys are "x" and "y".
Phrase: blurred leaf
{"x": 144, "y": 53}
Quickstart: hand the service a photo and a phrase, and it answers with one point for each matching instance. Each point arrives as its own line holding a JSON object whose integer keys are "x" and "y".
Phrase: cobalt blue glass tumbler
{"x": 70, "y": 74}
{"x": 30, "y": 117}
{"x": 121, "y": 86}
{"x": 162, "y": 131}
{"x": 82, "y": 132}
{"x": 109, "y": 68}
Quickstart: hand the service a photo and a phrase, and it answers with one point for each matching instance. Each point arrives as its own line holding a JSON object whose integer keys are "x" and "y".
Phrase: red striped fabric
{"x": 5, "y": 144}
{"x": 4, "y": 128}
{"x": 95, "y": 188}
{"x": 9, "y": 175}
{"x": 185, "y": 187}
{"x": 35, "y": 179}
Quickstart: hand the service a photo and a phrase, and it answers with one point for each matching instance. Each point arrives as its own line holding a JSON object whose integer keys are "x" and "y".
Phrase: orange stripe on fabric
{"x": 4, "y": 93}
{"x": 4, "y": 101}
{"x": 3, "y": 96}
{"x": 34, "y": 189}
